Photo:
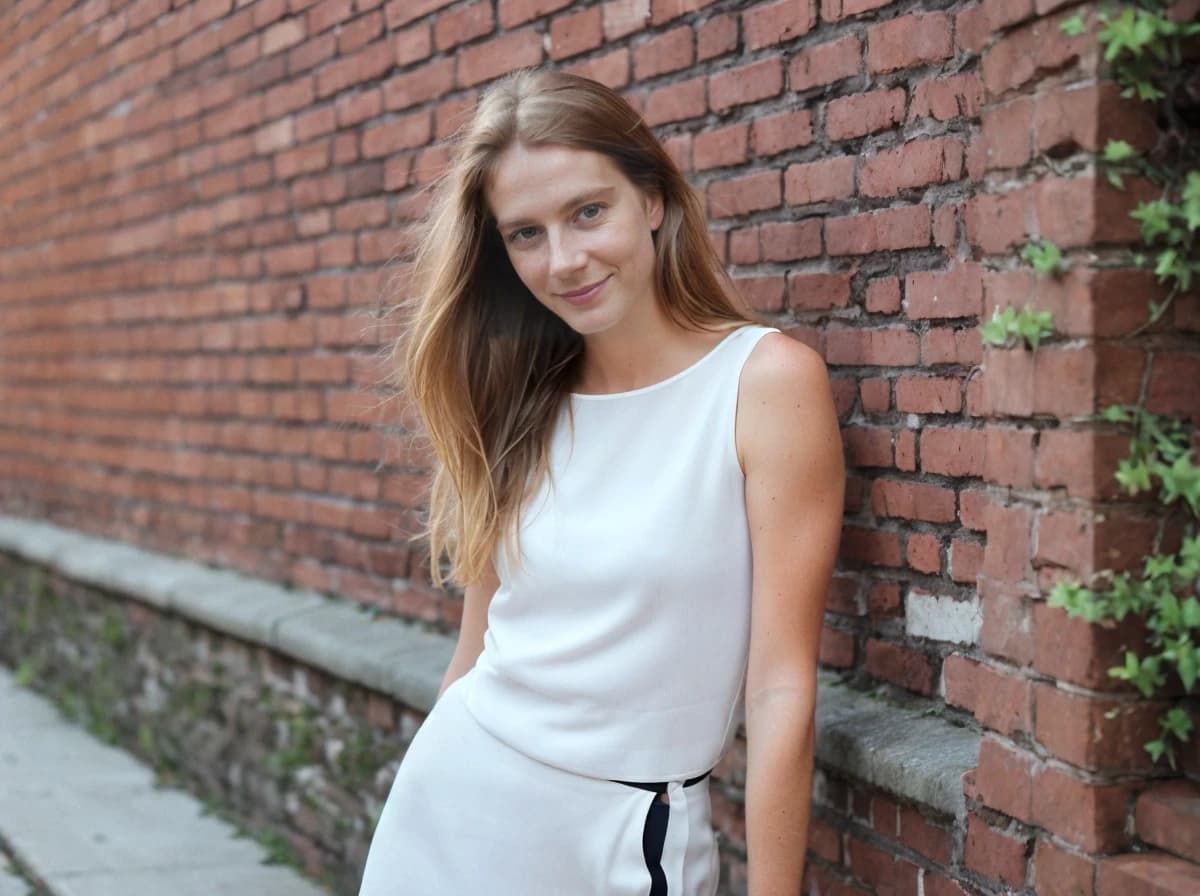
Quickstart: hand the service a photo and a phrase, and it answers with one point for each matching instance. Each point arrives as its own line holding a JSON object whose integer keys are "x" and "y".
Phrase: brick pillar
{"x": 1062, "y": 765}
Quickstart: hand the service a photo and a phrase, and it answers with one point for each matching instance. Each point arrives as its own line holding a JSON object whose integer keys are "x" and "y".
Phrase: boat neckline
{"x": 602, "y": 396}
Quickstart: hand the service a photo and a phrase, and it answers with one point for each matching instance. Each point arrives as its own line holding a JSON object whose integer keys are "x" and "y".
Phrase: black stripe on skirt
{"x": 654, "y": 832}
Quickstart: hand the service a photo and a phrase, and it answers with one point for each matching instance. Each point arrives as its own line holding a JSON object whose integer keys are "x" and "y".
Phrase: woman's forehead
{"x": 535, "y": 181}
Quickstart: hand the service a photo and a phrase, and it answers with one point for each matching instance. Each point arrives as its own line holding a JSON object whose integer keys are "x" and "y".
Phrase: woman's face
{"x": 578, "y": 233}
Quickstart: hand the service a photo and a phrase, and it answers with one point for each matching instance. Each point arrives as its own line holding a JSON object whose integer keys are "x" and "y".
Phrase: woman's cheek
{"x": 531, "y": 271}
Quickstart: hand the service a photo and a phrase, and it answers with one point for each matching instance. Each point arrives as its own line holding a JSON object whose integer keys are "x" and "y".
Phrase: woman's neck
{"x": 637, "y": 353}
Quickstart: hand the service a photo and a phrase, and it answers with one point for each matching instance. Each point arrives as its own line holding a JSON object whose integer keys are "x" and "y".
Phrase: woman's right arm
{"x": 476, "y": 600}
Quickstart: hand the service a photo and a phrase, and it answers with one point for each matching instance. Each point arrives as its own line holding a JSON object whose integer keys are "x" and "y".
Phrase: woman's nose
{"x": 565, "y": 256}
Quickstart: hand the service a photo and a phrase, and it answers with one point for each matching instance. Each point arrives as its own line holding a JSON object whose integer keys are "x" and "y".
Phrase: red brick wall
{"x": 200, "y": 198}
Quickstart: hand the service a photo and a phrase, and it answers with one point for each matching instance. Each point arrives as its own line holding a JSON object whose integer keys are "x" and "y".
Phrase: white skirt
{"x": 468, "y": 815}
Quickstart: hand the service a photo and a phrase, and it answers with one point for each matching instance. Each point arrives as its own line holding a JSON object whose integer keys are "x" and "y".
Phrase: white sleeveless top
{"x": 618, "y": 646}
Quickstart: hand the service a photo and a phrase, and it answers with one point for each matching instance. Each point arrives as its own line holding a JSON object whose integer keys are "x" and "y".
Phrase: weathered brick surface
{"x": 1058, "y": 871}
{"x": 231, "y": 181}
{"x": 995, "y": 854}
{"x": 1151, "y": 874}
{"x": 1168, "y": 816}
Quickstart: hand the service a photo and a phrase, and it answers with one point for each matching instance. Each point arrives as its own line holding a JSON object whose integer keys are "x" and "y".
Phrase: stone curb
{"x": 901, "y": 751}
{"x": 898, "y": 750}
{"x": 380, "y": 653}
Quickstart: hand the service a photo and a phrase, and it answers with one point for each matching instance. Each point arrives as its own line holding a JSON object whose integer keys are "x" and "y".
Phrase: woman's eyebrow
{"x": 580, "y": 199}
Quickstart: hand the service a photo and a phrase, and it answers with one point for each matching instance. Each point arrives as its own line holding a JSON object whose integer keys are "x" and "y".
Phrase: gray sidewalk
{"x": 86, "y": 819}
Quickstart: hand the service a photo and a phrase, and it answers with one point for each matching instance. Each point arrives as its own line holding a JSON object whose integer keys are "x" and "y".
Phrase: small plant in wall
{"x": 1010, "y": 327}
{"x": 1145, "y": 50}
{"x": 1045, "y": 257}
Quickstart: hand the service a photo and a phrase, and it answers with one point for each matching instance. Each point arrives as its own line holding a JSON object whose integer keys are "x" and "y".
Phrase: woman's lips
{"x": 584, "y": 294}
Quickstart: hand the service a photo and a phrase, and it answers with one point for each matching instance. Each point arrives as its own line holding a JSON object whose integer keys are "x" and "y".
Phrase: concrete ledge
{"x": 901, "y": 751}
{"x": 387, "y": 655}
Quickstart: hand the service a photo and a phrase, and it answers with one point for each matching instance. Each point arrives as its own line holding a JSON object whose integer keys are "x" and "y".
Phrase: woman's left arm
{"x": 791, "y": 452}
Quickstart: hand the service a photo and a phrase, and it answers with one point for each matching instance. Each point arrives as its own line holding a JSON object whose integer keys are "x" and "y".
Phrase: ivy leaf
{"x": 996, "y": 330}
{"x": 1029, "y": 328}
{"x": 1148, "y": 93}
{"x": 1167, "y": 260}
{"x": 1045, "y": 257}
{"x": 1170, "y": 614}
{"x": 1130, "y": 670}
{"x": 1115, "y": 37}
{"x": 1133, "y": 476}
{"x": 1191, "y": 200}
{"x": 1154, "y": 216}
{"x": 1125, "y": 598}
{"x": 1182, "y": 480}
{"x": 1066, "y": 595}
{"x": 1177, "y": 721}
{"x": 1160, "y": 566}
{"x": 1143, "y": 674}
{"x": 1189, "y": 552}
{"x": 1190, "y": 613}
{"x": 1118, "y": 151}
{"x": 1114, "y": 413}
{"x": 1183, "y": 655}
{"x": 1156, "y": 748}
{"x": 1073, "y": 27}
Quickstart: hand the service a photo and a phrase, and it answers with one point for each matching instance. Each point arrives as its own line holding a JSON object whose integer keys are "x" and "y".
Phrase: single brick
{"x": 855, "y": 116}
{"x": 740, "y": 195}
{"x": 676, "y": 102}
{"x": 720, "y": 147}
{"x": 777, "y": 133}
{"x": 716, "y": 37}
{"x": 819, "y": 181}
{"x": 908, "y": 41}
{"x": 818, "y": 291}
{"x": 790, "y": 240}
{"x": 577, "y": 33}
{"x": 917, "y": 163}
{"x": 746, "y": 84}
{"x": 667, "y": 52}
{"x": 825, "y": 63}
{"x": 766, "y": 24}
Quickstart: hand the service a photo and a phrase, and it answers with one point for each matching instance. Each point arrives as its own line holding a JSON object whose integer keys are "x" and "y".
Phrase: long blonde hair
{"x": 485, "y": 363}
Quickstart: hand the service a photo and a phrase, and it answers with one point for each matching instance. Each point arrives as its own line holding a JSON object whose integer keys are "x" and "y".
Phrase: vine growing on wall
{"x": 1146, "y": 51}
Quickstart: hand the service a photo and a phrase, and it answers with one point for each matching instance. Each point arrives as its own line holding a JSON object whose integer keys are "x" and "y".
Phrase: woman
{"x": 641, "y": 489}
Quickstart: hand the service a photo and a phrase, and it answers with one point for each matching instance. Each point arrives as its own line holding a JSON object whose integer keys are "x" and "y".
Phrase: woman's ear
{"x": 654, "y": 210}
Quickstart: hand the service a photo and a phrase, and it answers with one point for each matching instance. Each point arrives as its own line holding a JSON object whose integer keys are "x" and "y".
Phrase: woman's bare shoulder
{"x": 784, "y": 390}
{"x": 780, "y": 366}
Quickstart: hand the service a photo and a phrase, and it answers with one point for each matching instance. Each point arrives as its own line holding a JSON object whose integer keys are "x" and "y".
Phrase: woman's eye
{"x": 591, "y": 211}
{"x": 523, "y": 235}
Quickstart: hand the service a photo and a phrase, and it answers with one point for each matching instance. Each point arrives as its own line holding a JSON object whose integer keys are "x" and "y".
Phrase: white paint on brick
{"x": 942, "y": 618}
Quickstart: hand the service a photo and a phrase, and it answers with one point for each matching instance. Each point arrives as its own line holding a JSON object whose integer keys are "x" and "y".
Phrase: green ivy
{"x": 1145, "y": 51}
{"x": 1164, "y": 594}
{"x": 1009, "y": 327}
{"x": 1028, "y": 325}
{"x": 1159, "y": 452}
{"x": 1045, "y": 257}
